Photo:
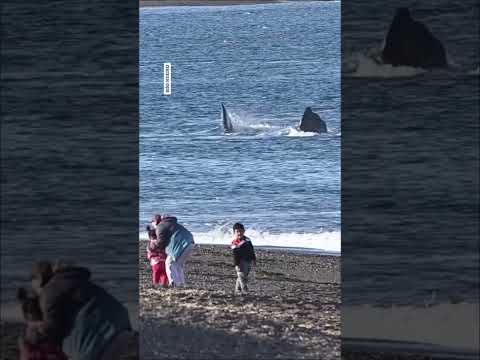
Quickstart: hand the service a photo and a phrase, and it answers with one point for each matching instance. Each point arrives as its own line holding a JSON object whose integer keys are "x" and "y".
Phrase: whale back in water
{"x": 311, "y": 122}
{"x": 226, "y": 120}
{"x": 410, "y": 43}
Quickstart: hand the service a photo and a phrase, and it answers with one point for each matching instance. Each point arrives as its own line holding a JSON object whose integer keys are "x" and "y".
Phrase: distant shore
{"x": 148, "y": 3}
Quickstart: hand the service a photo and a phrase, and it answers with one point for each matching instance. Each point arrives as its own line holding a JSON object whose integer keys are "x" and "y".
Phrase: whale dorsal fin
{"x": 226, "y": 120}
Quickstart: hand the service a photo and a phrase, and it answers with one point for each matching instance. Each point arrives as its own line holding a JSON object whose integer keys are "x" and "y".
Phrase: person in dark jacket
{"x": 80, "y": 315}
{"x": 243, "y": 257}
{"x": 43, "y": 349}
{"x": 178, "y": 243}
{"x": 156, "y": 220}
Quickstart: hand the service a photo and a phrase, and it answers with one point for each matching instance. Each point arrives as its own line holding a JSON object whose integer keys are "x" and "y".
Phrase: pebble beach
{"x": 291, "y": 311}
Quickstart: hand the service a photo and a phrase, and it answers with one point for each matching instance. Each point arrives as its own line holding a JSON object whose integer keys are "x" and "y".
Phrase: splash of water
{"x": 370, "y": 65}
{"x": 246, "y": 124}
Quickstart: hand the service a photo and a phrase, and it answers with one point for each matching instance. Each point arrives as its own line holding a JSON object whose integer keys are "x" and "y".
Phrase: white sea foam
{"x": 294, "y": 132}
{"x": 243, "y": 122}
{"x": 263, "y": 126}
{"x": 455, "y": 326}
{"x": 369, "y": 65}
{"x": 327, "y": 241}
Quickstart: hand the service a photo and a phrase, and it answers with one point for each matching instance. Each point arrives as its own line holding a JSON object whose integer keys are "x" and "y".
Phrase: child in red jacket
{"x": 157, "y": 257}
{"x": 243, "y": 257}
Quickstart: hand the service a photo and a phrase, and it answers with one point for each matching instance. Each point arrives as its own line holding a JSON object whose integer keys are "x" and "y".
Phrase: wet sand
{"x": 148, "y": 3}
{"x": 292, "y": 310}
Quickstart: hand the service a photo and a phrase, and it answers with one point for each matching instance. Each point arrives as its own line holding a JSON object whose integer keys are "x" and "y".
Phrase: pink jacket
{"x": 155, "y": 256}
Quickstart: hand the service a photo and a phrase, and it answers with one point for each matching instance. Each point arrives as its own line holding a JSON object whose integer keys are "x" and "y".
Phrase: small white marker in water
{"x": 167, "y": 79}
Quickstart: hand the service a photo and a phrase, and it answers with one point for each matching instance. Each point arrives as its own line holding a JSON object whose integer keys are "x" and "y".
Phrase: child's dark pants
{"x": 243, "y": 269}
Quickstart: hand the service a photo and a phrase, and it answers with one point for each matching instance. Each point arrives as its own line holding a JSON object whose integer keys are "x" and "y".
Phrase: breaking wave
{"x": 327, "y": 241}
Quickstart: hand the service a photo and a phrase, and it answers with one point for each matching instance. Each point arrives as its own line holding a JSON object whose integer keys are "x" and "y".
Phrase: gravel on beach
{"x": 291, "y": 311}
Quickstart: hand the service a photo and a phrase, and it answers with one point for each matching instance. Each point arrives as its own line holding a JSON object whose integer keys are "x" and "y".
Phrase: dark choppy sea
{"x": 410, "y": 240}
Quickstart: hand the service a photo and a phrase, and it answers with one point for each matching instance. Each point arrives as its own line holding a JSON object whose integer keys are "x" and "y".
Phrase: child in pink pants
{"x": 157, "y": 259}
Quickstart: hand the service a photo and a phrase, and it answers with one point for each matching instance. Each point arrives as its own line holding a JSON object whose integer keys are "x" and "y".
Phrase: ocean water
{"x": 423, "y": 131}
{"x": 410, "y": 184}
{"x": 266, "y": 63}
{"x": 410, "y": 245}
{"x": 69, "y": 147}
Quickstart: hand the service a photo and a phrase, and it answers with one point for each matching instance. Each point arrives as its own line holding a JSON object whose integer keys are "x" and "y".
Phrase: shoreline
{"x": 288, "y": 249}
{"x": 297, "y": 250}
{"x": 158, "y": 3}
